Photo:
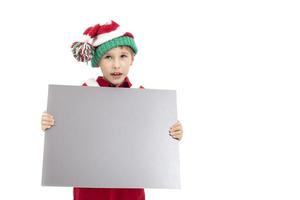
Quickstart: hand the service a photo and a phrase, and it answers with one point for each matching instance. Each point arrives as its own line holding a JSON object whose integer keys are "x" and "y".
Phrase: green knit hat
{"x": 99, "y": 39}
{"x": 116, "y": 42}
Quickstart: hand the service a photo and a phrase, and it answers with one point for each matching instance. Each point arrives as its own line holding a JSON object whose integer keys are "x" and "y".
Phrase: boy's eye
{"x": 124, "y": 56}
{"x": 107, "y": 57}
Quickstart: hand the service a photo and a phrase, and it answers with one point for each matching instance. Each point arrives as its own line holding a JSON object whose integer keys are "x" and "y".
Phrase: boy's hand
{"x": 176, "y": 131}
{"x": 47, "y": 121}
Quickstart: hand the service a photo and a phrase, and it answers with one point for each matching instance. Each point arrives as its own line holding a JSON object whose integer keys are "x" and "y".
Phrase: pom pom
{"x": 82, "y": 52}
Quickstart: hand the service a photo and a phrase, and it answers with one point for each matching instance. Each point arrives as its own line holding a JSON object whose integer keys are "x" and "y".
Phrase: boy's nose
{"x": 116, "y": 65}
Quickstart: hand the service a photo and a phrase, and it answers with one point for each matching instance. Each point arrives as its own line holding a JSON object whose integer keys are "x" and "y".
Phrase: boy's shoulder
{"x": 91, "y": 82}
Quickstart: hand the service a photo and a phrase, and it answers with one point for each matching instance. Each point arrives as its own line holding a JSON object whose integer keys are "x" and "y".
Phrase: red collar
{"x": 104, "y": 83}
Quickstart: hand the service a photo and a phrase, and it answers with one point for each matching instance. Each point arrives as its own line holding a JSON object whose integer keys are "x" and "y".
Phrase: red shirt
{"x": 109, "y": 193}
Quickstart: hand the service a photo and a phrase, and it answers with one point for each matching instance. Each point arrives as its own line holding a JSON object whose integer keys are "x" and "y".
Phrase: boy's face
{"x": 115, "y": 64}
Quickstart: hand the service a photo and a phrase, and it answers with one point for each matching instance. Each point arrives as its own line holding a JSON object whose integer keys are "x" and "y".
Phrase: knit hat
{"x": 99, "y": 39}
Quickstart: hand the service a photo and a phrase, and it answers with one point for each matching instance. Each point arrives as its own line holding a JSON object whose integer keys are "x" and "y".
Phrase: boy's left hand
{"x": 176, "y": 131}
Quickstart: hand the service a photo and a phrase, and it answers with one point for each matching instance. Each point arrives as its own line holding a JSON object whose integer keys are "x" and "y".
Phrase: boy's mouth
{"x": 116, "y": 75}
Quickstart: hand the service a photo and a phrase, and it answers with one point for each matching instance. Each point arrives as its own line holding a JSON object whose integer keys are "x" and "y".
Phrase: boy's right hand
{"x": 47, "y": 121}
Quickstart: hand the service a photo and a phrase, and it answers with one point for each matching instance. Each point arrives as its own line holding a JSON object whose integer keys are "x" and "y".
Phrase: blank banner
{"x": 111, "y": 138}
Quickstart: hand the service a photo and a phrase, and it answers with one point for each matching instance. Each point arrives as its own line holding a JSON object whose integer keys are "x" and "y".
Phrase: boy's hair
{"x": 99, "y": 39}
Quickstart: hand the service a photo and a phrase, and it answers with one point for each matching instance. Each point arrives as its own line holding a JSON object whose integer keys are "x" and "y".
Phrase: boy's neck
{"x": 105, "y": 83}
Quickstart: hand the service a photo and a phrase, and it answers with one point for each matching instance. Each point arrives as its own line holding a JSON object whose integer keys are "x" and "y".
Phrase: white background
{"x": 235, "y": 65}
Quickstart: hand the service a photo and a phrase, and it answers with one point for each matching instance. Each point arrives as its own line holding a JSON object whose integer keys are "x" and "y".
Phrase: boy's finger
{"x": 46, "y": 126}
{"x": 47, "y": 123}
{"x": 176, "y": 133}
{"x": 47, "y": 119}
{"x": 176, "y": 136}
{"x": 176, "y": 125}
{"x": 176, "y": 129}
{"x": 47, "y": 115}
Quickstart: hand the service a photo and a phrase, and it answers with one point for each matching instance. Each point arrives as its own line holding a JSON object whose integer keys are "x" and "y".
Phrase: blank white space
{"x": 235, "y": 65}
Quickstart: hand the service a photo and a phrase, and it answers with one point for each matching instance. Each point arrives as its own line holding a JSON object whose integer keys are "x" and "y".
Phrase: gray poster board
{"x": 111, "y": 138}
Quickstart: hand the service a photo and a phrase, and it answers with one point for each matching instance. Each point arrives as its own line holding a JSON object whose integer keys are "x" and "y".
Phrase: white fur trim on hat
{"x": 102, "y": 38}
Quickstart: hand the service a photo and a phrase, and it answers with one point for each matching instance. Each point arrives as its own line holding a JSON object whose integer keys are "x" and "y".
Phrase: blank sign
{"x": 111, "y": 138}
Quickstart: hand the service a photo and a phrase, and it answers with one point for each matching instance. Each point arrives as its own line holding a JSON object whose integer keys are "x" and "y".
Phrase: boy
{"x": 113, "y": 50}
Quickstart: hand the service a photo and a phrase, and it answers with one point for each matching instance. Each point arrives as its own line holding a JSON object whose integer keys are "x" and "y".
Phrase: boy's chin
{"x": 117, "y": 81}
